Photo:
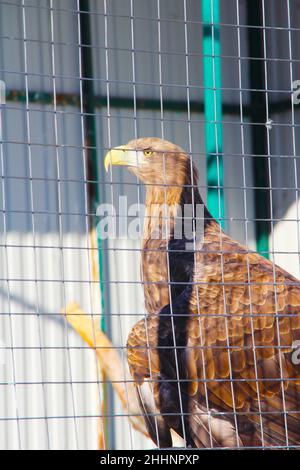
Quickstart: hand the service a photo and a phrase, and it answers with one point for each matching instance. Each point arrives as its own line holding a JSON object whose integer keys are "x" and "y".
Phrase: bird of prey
{"x": 214, "y": 359}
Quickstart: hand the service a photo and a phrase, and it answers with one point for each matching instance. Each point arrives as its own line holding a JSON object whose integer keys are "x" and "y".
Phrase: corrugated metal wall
{"x": 49, "y": 376}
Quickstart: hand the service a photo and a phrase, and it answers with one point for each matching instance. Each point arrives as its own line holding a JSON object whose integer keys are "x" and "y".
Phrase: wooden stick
{"x": 87, "y": 326}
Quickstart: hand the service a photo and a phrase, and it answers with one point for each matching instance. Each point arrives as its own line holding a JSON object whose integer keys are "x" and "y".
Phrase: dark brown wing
{"x": 161, "y": 410}
{"x": 247, "y": 305}
{"x": 143, "y": 362}
{"x": 152, "y": 367}
{"x": 249, "y": 320}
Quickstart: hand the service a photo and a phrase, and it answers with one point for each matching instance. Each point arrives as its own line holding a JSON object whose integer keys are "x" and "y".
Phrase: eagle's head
{"x": 154, "y": 161}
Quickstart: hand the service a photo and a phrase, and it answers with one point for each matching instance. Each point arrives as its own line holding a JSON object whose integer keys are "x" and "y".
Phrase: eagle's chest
{"x": 166, "y": 268}
{"x": 155, "y": 275}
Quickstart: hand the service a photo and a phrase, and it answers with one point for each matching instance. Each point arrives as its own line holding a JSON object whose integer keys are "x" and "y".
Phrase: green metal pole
{"x": 90, "y": 130}
{"x": 92, "y": 170}
{"x": 213, "y": 107}
{"x": 258, "y": 119}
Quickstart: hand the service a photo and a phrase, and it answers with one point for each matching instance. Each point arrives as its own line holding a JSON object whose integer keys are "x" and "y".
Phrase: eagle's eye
{"x": 148, "y": 153}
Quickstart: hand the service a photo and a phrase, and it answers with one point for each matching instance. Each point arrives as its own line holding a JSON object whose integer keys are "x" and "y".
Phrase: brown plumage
{"x": 232, "y": 315}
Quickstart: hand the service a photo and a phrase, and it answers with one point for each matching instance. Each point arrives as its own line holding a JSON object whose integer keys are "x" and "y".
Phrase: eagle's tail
{"x": 207, "y": 429}
{"x": 275, "y": 424}
{"x": 279, "y": 422}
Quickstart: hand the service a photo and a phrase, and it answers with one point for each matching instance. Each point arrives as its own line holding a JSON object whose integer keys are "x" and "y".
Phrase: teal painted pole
{"x": 93, "y": 176}
{"x": 213, "y": 107}
{"x": 90, "y": 131}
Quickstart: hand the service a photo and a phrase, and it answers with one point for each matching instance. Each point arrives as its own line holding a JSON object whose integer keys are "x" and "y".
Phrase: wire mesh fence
{"x": 213, "y": 329}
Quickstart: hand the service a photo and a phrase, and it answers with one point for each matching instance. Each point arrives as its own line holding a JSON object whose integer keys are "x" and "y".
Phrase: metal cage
{"x": 78, "y": 77}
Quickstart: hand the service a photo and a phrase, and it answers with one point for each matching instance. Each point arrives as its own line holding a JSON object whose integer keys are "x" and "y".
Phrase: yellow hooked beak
{"x": 117, "y": 156}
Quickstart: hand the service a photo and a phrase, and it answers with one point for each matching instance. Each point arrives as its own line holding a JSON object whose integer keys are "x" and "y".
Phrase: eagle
{"x": 215, "y": 358}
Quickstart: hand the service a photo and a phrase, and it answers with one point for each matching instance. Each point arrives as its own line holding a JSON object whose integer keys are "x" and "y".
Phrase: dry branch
{"x": 87, "y": 326}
